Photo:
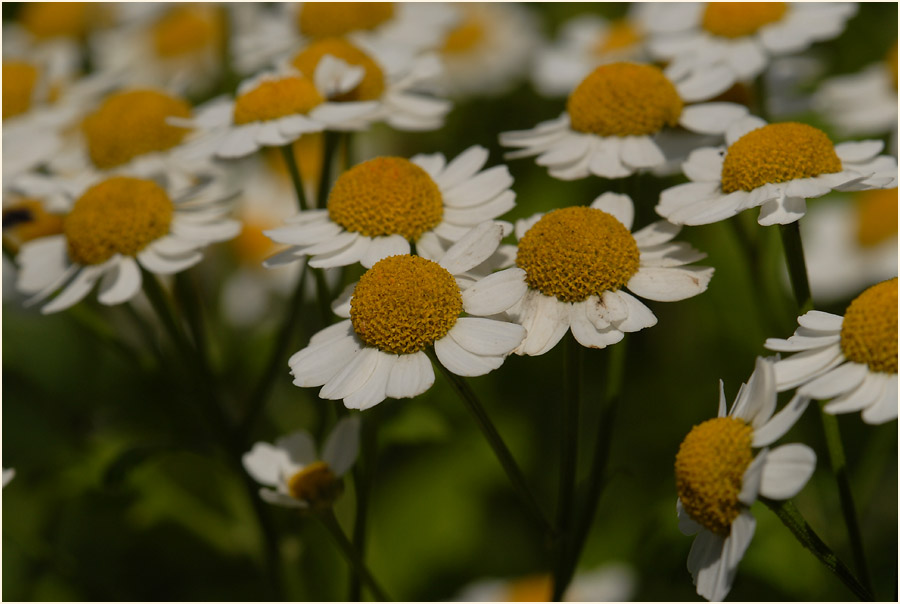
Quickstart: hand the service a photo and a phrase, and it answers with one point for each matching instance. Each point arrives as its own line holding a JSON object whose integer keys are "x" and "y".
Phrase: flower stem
{"x": 331, "y": 147}
{"x": 839, "y": 467}
{"x": 363, "y": 473}
{"x": 796, "y": 264}
{"x": 330, "y": 522}
{"x": 790, "y": 516}
{"x": 567, "y": 461}
{"x": 496, "y": 442}
{"x": 287, "y": 152}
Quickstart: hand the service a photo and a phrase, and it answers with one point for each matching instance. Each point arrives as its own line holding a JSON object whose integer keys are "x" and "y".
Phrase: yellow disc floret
{"x": 57, "y": 19}
{"x": 120, "y": 215}
{"x": 129, "y": 124}
{"x": 372, "y": 84}
{"x": 777, "y": 153}
{"x": 869, "y": 331}
{"x": 533, "y": 588}
{"x": 19, "y": 79}
{"x": 876, "y": 216}
{"x": 185, "y": 30}
{"x": 317, "y": 485}
{"x": 405, "y": 303}
{"x": 324, "y": 19}
{"x": 709, "y": 471}
{"x": 466, "y": 36}
{"x": 624, "y": 99}
{"x": 620, "y": 35}
{"x": 273, "y": 99}
{"x": 386, "y": 196}
{"x": 890, "y": 61}
{"x": 573, "y": 253}
{"x": 736, "y": 19}
{"x": 27, "y": 219}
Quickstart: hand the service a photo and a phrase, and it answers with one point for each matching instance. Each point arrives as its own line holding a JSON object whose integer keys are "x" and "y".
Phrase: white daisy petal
{"x": 333, "y": 245}
{"x": 742, "y": 127}
{"x": 787, "y": 470}
{"x": 605, "y": 159}
{"x": 298, "y": 448}
{"x": 479, "y": 188}
{"x": 816, "y": 319}
{"x": 670, "y": 284}
{"x": 781, "y": 422}
{"x": 620, "y": 206}
{"x": 752, "y": 479}
{"x": 353, "y": 253}
{"x": 411, "y": 375}
{"x": 373, "y": 390}
{"x": 639, "y": 316}
{"x": 782, "y": 211}
{"x": 463, "y": 167}
{"x": 613, "y": 307}
{"x": 473, "y": 248}
{"x": 487, "y": 211}
{"x": 584, "y": 331}
{"x": 858, "y": 151}
{"x": 667, "y": 255}
{"x": 463, "y": 362}
{"x": 839, "y": 380}
{"x": 704, "y": 164}
{"x": 353, "y": 375}
{"x": 316, "y": 364}
{"x": 641, "y": 152}
{"x": 167, "y": 265}
{"x": 264, "y": 463}
{"x": 656, "y": 233}
{"x": 687, "y": 194}
{"x": 705, "y": 84}
{"x": 711, "y": 118}
{"x": 341, "y": 447}
{"x": 686, "y": 524}
{"x": 495, "y": 293}
{"x": 801, "y": 367}
{"x": 864, "y": 395}
{"x": 121, "y": 283}
{"x": 276, "y": 498}
{"x": 382, "y": 247}
{"x": 884, "y": 409}
{"x": 706, "y": 564}
{"x": 240, "y": 142}
{"x": 487, "y": 337}
{"x": 75, "y": 291}
{"x": 545, "y": 320}
{"x": 341, "y": 304}
{"x": 432, "y": 163}
{"x": 40, "y": 262}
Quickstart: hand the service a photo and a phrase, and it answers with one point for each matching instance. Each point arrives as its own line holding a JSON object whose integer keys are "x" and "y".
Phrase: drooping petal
{"x": 463, "y": 362}
{"x": 264, "y": 463}
{"x": 835, "y": 382}
{"x": 495, "y": 293}
{"x": 299, "y": 449}
{"x": 352, "y": 376}
{"x": 801, "y": 367}
{"x": 342, "y": 445}
{"x": 382, "y": 247}
{"x": 781, "y": 422}
{"x": 75, "y": 291}
{"x": 487, "y": 337}
{"x": 861, "y": 397}
{"x": 884, "y": 408}
{"x": 584, "y": 331}
{"x": 545, "y": 320}
{"x": 787, "y": 470}
{"x": 473, "y": 249}
{"x": 618, "y": 205}
{"x": 670, "y": 284}
{"x": 121, "y": 283}
{"x": 686, "y": 524}
{"x": 411, "y": 375}
{"x": 316, "y": 364}
{"x": 374, "y": 389}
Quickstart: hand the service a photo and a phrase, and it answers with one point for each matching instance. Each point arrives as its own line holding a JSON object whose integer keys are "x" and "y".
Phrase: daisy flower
{"x": 402, "y": 306}
{"x": 27, "y": 218}
{"x": 613, "y": 120}
{"x": 380, "y": 207}
{"x": 775, "y": 167}
{"x": 489, "y": 50}
{"x": 584, "y": 43}
{"x": 863, "y": 103}
{"x": 850, "y": 243}
{"x": 607, "y": 583}
{"x": 741, "y": 37}
{"x": 301, "y": 478}
{"x": 718, "y": 478}
{"x": 8, "y": 475}
{"x": 575, "y": 263}
{"x": 851, "y": 361}
{"x": 114, "y": 229}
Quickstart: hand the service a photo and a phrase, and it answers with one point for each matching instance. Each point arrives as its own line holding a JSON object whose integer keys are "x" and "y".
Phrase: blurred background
{"x": 119, "y": 494}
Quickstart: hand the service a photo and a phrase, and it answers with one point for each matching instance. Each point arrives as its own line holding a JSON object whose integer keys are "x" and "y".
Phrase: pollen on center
{"x": 19, "y": 79}
{"x": 325, "y": 19}
{"x": 709, "y": 471}
{"x": 187, "y": 29}
{"x": 737, "y": 19}
{"x": 778, "y": 153}
{"x": 132, "y": 123}
{"x": 876, "y": 212}
{"x": 120, "y": 215}
{"x": 574, "y": 253}
{"x": 624, "y": 99}
{"x": 869, "y": 330}
{"x": 620, "y": 35}
{"x": 316, "y": 484}
{"x": 465, "y": 36}
{"x": 372, "y": 84}
{"x": 386, "y": 196}
{"x": 273, "y": 99}
{"x": 405, "y": 303}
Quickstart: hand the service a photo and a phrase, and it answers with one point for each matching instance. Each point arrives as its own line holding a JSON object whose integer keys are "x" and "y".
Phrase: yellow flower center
{"x": 533, "y": 588}
{"x": 876, "y": 216}
{"x": 185, "y": 30}
{"x": 405, "y": 303}
{"x": 386, "y": 196}
{"x": 869, "y": 331}
{"x": 26, "y": 220}
{"x": 736, "y": 19}
{"x": 777, "y": 153}
{"x": 273, "y": 99}
{"x": 623, "y": 99}
{"x": 317, "y": 485}
{"x": 57, "y": 19}
{"x": 120, "y": 215}
{"x": 129, "y": 124}
{"x": 325, "y": 19}
{"x": 466, "y": 36}
{"x": 251, "y": 246}
{"x": 573, "y": 253}
{"x": 890, "y": 61}
{"x": 621, "y": 34}
{"x": 18, "y": 85}
{"x": 372, "y": 84}
{"x": 709, "y": 471}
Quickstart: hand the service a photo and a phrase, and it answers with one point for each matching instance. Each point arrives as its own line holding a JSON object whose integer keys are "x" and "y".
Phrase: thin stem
{"x": 260, "y": 395}
{"x": 568, "y": 460}
{"x": 287, "y": 152}
{"x": 791, "y": 517}
{"x": 363, "y": 473}
{"x": 330, "y": 522}
{"x": 501, "y": 451}
{"x": 322, "y": 295}
{"x": 331, "y": 147}
{"x": 839, "y": 467}
{"x": 229, "y": 77}
{"x": 793, "y": 253}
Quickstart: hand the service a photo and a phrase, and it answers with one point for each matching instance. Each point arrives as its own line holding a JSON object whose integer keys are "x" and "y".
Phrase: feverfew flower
{"x": 585, "y": 42}
{"x": 301, "y": 478}
{"x": 574, "y": 263}
{"x": 718, "y": 478}
{"x": 614, "y": 118}
{"x": 607, "y": 583}
{"x": 489, "y": 50}
{"x": 380, "y": 207}
{"x": 850, "y": 361}
{"x": 399, "y": 308}
{"x": 115, "y": 228}
{"x": 775, "y": 167}
{"x": 741, "y": 37}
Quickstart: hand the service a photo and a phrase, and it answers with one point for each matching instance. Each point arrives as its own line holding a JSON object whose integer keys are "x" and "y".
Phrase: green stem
{"x": 793, "y": 253}
{"x": 568, "y": 460}
{"x": 496, "y": 442}
{"x": 363, "y": 473}
{"x": 331, "y": 146}
{"x": 90, "y": 320}
{"x": 839, "y": 467}
{"x": 330, "y": 522}
{"x": 230, "y": 78}
{"x": 323, "y": 295}
{"x": 287, "y": 152}
{"x": 791, "y": 517}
